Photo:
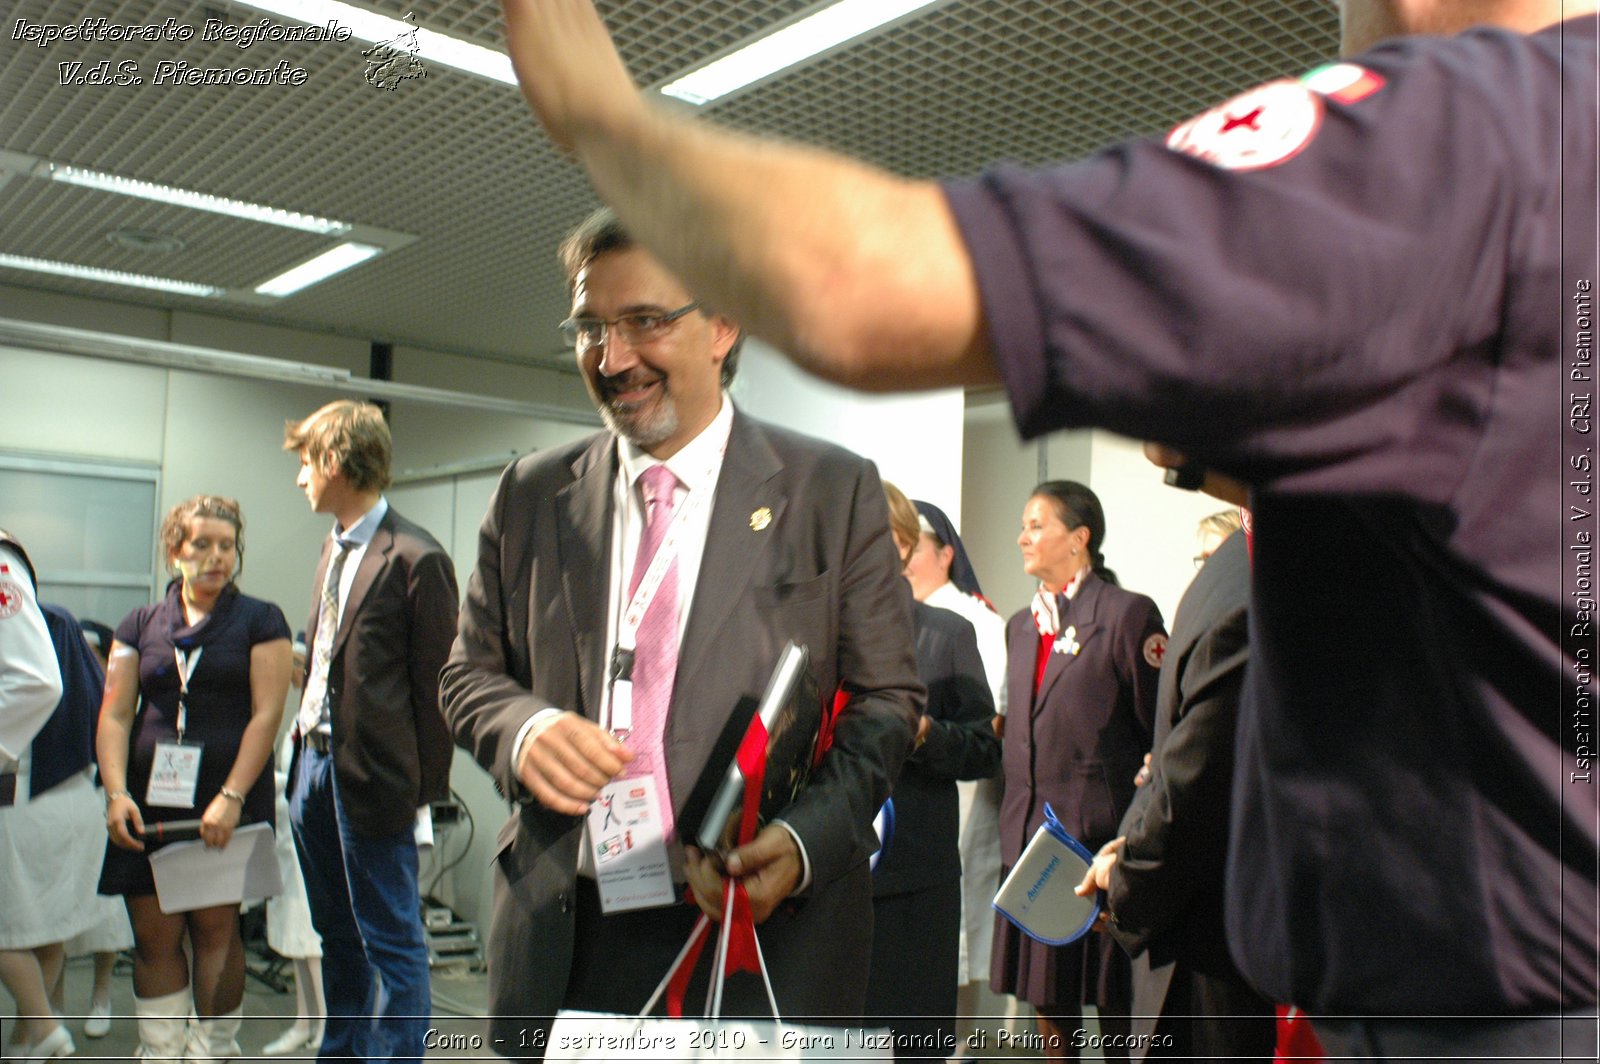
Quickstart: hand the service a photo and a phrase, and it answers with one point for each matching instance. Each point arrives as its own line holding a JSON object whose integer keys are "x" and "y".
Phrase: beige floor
{"x": 267, "y": 1012}
{"x": 460, "y": 998}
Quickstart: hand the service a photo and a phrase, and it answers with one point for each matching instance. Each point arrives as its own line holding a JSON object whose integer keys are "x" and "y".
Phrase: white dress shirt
{"x": 360, "y": 535}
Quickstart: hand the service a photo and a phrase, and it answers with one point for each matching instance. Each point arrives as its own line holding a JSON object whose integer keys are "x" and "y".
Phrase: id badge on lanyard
{"x": 625, "y": 824}
{"x": 619, "y": 716}
{"x": 175, "y": 775}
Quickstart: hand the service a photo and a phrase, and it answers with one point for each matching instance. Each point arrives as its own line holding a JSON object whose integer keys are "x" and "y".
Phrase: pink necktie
{"x": 655, "y": 658}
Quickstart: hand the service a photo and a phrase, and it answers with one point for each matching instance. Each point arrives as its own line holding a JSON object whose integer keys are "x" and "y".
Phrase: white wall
{"x": 1150, "y": 528}
{"x": 914, "y": 439}
{"x": 224, "y": 435}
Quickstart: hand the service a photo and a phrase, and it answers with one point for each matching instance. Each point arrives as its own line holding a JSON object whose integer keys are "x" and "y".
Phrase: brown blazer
{"x": 823, "y": 571}
{"x": 391, "y": 748}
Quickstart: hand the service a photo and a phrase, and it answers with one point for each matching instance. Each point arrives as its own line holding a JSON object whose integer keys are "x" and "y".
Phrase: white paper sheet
{"x": 189, "y": 875}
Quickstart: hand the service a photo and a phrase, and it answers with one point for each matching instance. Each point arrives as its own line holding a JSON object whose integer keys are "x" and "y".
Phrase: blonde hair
{"x": 353, "y": 435}
{"x": 175, "y": 525}
{"x": 902, "y": 519}
{"x": 1221, "y": 524}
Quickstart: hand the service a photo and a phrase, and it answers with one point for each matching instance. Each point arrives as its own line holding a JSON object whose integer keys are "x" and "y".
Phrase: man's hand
{"x": 769, "y": 866}
{"x": 570, "y": 72}
{"x": 1215, "y": 485}
{"x": 1098, "y": 877}
{"x": 566, "y": 760}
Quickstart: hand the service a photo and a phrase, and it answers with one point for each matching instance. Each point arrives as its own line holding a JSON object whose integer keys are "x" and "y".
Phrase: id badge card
{"x": 628, "y": 846}
{"x": 174, "y": 776}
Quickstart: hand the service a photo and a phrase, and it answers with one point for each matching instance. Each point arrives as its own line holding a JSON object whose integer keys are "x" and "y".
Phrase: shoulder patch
{"x": 1343, "y": 82}
{"x": 1264, "y": 127}
{"x": 1155, "y": 649}
{"x": 10, "y": 599}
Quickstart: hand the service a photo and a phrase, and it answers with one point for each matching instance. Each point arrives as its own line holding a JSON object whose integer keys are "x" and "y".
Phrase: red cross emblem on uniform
{"x": 10, "y": 599}
{"x": 1155, "y": 650}
{"x": 1246, "y": 121}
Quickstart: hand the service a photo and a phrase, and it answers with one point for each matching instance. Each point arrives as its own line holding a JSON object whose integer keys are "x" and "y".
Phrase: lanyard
{"x": 620, "y": 711}
{"x": 187, "y": 663}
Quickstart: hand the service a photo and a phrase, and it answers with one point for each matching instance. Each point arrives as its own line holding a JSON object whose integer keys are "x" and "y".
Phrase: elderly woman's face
{"x": 1051, "y": 553}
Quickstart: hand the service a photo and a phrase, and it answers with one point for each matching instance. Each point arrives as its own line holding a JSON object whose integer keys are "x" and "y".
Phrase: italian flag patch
{"x": 1342, "y": 82}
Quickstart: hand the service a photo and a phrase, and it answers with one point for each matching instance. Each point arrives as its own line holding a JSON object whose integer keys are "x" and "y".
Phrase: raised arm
{"x": 861, "y": 276}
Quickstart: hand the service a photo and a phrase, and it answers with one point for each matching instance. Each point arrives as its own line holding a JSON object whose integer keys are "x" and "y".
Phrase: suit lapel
{"x": 1079, "y": 617}
{"x": 583, "y": 512}
{"x": 373, "y": 559}
{"x": 732, "y": 543}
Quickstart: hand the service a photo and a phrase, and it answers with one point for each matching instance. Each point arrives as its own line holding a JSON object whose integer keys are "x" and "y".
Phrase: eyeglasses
{"x": 637, "y": 329}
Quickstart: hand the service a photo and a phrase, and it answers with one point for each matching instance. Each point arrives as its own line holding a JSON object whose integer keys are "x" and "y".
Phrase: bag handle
{"x": 743, "y": 954}
{"x": 736, "y": 915}
{"x": 728, "y": 957}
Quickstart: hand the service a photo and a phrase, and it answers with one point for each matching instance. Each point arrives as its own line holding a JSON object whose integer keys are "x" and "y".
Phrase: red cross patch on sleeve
{"x": 1155, "y": 649}
{"x": 1264, "y": 127}
{"x": 10, "y": 599}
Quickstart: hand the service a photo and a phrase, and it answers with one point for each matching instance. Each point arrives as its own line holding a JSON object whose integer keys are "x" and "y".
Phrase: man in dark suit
{"x": 1164, "y": 874}
{"x": 777, "y": 537}
{"x": 373, "y": 748}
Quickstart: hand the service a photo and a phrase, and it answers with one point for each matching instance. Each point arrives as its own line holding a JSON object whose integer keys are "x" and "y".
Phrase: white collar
{"x": 696, "y": 462}
{"x": 361, "y": 533}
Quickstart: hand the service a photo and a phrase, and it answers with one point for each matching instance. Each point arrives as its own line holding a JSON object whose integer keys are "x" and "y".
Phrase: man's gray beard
{"x": 645, "y": 433}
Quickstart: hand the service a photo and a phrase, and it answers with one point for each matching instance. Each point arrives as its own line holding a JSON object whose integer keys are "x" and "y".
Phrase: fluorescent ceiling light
{"x": 374, "y": 28}
{"x": 325, "y": 265}
{"x": 812, "y": 35}
{"x": 200, "y": 201}
{"x": 91, "y": 273}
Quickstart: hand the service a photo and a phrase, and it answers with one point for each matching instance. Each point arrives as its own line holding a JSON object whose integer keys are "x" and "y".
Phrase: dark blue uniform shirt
{"x": 1370, "y": 293}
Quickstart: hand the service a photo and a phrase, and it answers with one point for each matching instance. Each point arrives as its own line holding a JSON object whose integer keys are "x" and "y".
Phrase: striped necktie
{"x": 314, "y": 699}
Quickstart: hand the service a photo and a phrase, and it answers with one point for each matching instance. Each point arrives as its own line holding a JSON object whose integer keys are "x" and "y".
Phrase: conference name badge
{"x": 628, "y": 846}
{"x": 174, "y": 776}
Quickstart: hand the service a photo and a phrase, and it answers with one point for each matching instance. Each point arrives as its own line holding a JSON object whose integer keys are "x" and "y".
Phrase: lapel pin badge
{"x": 760, "y": 519}
{"x": 1067, "y": 641}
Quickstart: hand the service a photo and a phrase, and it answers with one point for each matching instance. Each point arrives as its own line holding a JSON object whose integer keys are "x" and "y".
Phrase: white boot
{"x": 216, "y": 1037}
{"x": 162, "y": 1023}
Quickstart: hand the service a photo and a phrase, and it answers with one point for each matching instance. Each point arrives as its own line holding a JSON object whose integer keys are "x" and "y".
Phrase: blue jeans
{"x": 365, "y": 905}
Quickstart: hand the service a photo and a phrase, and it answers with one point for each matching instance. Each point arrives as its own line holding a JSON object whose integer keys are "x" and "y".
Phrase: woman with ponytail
{"x": 1081, "y": 687}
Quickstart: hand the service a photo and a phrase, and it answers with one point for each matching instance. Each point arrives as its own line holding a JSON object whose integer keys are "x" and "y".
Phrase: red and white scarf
{"x": 1046, "y": 611}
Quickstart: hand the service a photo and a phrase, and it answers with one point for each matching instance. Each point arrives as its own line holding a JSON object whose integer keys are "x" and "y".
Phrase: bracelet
{"x": 114, "y": 795}
{"x": 231, "y": 794}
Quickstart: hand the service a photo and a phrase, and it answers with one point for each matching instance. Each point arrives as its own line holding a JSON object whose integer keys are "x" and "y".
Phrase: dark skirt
{"x": 1060, "y": 979}
{"x": 127, "y": 872}
{"x": 911, "y": 986}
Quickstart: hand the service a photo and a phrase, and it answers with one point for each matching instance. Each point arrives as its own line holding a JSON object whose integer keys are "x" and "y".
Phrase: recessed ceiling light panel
{"x": 93, "y": 273}
{"x": 794, "y": 43}
{"x": 325, "y": 265}
{"x": 200, "y": 201}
